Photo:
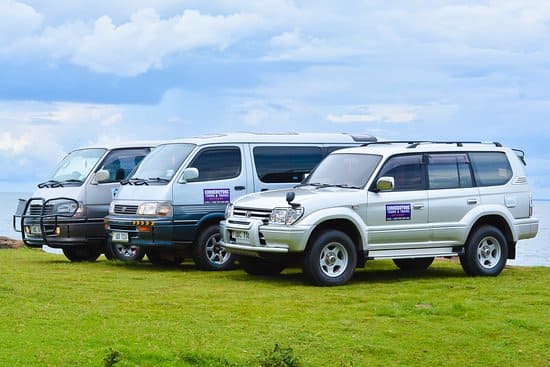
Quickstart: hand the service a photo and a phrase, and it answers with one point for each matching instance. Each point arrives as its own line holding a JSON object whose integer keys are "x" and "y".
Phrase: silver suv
{"x": 406, "y": 201}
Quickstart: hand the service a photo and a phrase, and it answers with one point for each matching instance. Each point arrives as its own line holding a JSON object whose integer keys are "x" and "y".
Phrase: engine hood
{"x": 144, "y": 193}
{"x": 73, "y": 192}
{"x": 309, "y": 197}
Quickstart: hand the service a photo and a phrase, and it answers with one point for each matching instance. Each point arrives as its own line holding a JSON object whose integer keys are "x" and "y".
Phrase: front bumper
{"x": 161, "y": 231}
{"x": 74, "y": 233}
{"x": 262, "y": 239}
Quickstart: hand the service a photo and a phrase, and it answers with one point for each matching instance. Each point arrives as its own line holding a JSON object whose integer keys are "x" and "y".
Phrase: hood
{"x": 73, "y": 192}
{"x": 309, "y": 197}
{"x": 144, "y": 193}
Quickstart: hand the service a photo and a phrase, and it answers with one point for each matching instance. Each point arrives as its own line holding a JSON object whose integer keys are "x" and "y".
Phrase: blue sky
{"x": 78, "y": 73}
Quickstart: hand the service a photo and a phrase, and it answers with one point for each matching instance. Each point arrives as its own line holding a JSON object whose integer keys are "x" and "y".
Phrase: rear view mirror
{"x": 102, "y": 176}
{"x": 385, "y": 183}
{"x": 189, "y": 174}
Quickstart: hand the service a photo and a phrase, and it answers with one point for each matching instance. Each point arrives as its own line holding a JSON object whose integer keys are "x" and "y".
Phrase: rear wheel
{"x": 414, "y": 265}
{"x": 257, "y": 266}
{"x": 485, "y": 253}
{"x": 209, "y": 254}
{"x": 127, "y": 252}
{"x": 81, "y": 253}
{"x": 331, "y": 259}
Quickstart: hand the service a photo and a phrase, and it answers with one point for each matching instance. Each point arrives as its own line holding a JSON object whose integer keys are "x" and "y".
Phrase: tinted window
{"x": 285, "y": 164}
{"x": 491, "y": 168}
{"x": 332, "y": 149}
{"x": 449, "y": 171}
{"x": 406, "y": 170}
{"x": 217, "y": 163}
{"x": 121, "y": 162}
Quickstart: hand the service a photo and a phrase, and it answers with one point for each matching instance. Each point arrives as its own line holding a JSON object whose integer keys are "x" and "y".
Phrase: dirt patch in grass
{"x": 9, "y": 243}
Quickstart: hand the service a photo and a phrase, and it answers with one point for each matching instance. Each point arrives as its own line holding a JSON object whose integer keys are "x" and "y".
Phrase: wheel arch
{"x": 502, "y": 224}
{"x": 344, "y": 225}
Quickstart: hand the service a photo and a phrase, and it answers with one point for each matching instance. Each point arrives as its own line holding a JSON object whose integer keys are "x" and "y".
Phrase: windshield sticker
{"x": 217, "y": 196}
{"x": 398, "y": 212}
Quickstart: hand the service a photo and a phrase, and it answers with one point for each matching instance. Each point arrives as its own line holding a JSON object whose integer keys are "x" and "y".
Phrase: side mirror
{"x": 190, "y": 174}
{"x": 385, "y": 183}
{"x": 102, "y": 176}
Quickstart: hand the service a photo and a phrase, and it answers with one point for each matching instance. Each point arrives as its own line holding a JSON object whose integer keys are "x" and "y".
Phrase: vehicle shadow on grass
{"x": 371, "y": 274}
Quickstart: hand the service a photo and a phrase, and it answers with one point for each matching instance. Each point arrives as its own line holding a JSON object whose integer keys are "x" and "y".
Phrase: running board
{"x": 412, "y": 253}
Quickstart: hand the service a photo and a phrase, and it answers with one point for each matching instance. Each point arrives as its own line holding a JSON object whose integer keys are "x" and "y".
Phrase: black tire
{"x": 127, "y": 252}
{"x": 485, "y": 252}
{"x": 257, "y": 266}
{"x": 81, "y": 253}
{"x": 161, "y": 257}
{"x": 330, "y": 259}
{"x": 208, "y": 254}
{"x": 416, "y": 265}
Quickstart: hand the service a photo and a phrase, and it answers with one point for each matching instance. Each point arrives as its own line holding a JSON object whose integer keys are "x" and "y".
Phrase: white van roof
{"x": 128, "y": 144}
{"x": 284, "y": 137}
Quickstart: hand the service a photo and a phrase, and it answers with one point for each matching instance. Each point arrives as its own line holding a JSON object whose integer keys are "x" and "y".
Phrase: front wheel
{"x": 414, "y": 265}
{"x": 209, "y": 254}
{"x": 331, "y": 259}
{"x": 127, "y": 252}
{"x": 257, "y": 266}
{"x": 81, "y": 253}
{"x": 485, "y": 253}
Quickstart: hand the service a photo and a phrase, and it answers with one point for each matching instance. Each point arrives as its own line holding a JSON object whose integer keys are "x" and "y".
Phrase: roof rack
{"x": 416, "y": 143}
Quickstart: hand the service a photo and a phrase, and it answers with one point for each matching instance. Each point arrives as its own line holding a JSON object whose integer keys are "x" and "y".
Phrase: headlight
{"x": 112, "y": 208}
{"x": 163, "y": 209}
{"x": 286, "y": 215}
{"x": 68, "y": 208}
{"x": 228, "y": 210}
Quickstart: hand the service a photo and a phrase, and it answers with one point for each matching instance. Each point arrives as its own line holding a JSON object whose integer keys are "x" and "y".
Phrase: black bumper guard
{"x": 43, "y": 218}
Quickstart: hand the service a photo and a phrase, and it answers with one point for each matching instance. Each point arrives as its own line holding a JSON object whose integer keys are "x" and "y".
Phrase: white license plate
{"x": 241, "y": 236}
{"x": 120, "y": 237}
{"x": 36, "y": 230}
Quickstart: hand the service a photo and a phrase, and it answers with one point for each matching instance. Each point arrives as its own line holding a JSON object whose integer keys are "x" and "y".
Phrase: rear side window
{"x": 449, "y": 171}
{"x": 491, "y": 168}
{"x": 406, "y": 171}
{"x": 280, "y": 164}
{"x": 217, "y": 163}
{"x": 121, "y": 162}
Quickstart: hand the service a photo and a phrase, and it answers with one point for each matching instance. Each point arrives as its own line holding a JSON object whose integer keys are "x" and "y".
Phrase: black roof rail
{"x": 414, "y": 144}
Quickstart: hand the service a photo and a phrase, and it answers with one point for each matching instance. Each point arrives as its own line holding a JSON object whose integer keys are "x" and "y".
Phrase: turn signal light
{"x": 144, "y": 229}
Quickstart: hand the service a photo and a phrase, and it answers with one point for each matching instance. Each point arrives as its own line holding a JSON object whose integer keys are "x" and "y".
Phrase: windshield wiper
{"x": 50, "y": 183}
{"x": 72, "y": 180}
{"x": 346, "y": 186}
{"x": 158, "y": 179}
{"x": 134, "y": 181}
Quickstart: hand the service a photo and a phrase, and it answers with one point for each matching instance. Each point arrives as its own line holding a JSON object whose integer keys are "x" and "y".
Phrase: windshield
{"x": 344, "y": 169}
{"x": 162, "y": 163}
{"x": 76, "y": 166}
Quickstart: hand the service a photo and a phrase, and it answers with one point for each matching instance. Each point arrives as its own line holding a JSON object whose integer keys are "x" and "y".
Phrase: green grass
{"x": 56, "y": 313}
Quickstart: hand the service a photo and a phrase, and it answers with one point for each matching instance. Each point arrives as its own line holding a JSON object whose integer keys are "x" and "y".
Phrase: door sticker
{"x": 398, "y": 212}
{"x": 216, "y": 196}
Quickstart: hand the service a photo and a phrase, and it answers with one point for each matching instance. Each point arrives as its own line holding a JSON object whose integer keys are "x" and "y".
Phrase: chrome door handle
{"x": 472, "y": 201}
{"x": 418, "y": 206}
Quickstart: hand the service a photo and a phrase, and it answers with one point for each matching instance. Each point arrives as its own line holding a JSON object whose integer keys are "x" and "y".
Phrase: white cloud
{"x": 143, "y": 42}
{"x": 16, "y": 20}
{"x": 378, "y": 113}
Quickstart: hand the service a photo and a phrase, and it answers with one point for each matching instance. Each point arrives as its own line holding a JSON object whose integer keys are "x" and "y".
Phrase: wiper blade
{"x": 134, "y": 181}
{"x": 346, "y": 186}
{"x": 159, "y": 179}
{"x": 50, "y": 183}
{"x": 72, "y": 180}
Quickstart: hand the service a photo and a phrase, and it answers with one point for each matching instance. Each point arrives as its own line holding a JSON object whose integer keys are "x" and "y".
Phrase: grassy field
{"x": 56, "y": 313}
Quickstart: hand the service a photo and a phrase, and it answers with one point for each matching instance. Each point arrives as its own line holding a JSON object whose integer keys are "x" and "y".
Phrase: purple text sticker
{"x": 398, "y": 212}
{"x": 216, "y": 196}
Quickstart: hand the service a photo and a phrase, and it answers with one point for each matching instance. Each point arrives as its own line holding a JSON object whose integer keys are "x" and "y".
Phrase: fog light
{"x": 144, "y": 229}
{"x": 28, "y": 229}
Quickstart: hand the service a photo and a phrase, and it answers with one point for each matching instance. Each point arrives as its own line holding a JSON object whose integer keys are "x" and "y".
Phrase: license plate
{"x": 241, "y": 236}
{"x": 36, "y": 230}
{"x": 120, "y": 237}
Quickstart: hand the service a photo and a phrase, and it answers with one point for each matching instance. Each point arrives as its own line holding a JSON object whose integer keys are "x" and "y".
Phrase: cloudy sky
{"x": 76, "y": 73}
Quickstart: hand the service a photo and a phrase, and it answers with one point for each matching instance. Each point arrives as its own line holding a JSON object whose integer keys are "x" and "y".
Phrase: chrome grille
{"x": 36, "y": 209}
{"x": 126, "y": 209}
{"x": 262, "y": 214}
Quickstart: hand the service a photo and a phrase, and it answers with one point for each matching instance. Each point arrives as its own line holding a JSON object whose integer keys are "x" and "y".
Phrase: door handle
{"x": 472, "y": 201}
{"x": 239, "y": 188}
{"x": 418, "y": 206}
{"x": 264, "y": 190}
